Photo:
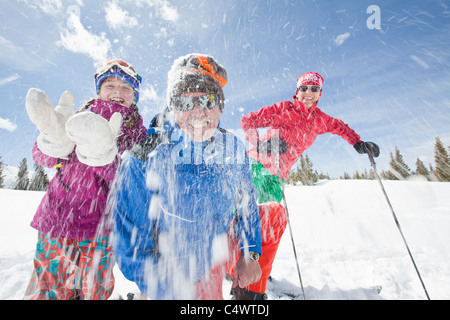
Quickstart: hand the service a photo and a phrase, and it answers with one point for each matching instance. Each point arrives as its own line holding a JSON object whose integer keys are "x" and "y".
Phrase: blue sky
{"x": 391, "y": 85}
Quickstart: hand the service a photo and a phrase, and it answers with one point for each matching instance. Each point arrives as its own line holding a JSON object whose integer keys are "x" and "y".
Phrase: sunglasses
{"x": 305, "y": 88}
{"x": 186, "y": 103}
{"x": 120, "y": 64}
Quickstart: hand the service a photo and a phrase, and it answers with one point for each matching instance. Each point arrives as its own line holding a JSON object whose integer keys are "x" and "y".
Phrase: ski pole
{"x": 372, "y": 162}
{"x": 289, "y": 224}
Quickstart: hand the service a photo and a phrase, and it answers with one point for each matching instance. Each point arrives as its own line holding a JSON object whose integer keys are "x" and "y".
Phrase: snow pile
{"x": 346, "y": 239}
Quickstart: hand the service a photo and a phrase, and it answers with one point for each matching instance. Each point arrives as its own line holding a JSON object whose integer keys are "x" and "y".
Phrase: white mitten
{"x": 94, "y": 137}
{"x": 52, "y": 140}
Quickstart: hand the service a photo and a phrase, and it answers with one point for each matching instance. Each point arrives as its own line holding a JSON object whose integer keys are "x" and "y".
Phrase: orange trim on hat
{"x": 210, "y": 71}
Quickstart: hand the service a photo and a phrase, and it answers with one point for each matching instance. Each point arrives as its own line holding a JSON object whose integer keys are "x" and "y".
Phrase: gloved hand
{"x": 52, "y": 140}
{"x": 95, "y": 137}
{"x": 368, "y": 147}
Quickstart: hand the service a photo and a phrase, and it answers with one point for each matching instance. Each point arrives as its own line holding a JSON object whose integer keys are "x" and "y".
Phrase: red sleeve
{"x": 338, "y": 127}
{"x": 263, "y": 118}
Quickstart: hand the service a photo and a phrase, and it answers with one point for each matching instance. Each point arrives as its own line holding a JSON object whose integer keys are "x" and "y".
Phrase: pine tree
{"x": 432, "y": 173}
{"x": 323, "y": 176}
{"x": 356, "y": 175}
{"x": 306, "y": 174}
{"x": 392, "y": 174}
{"x": 405, "y": 171}
{"x": 39, "y": 182}
{"x": 22, "y": 176}
{"x": 399, "y": 167}
{"x": 388, "y": 175}
{"x": 421, "y": 169}
{"x": 292, "y": 177}
{"x": 441, "y": 161}
{"x": 346, "y": 176}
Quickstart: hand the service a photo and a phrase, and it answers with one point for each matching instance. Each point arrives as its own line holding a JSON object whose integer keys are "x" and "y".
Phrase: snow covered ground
{"x": 346, "y": 239}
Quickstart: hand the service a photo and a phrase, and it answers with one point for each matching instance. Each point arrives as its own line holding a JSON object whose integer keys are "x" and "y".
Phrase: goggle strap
{"x": 124, "y": 69}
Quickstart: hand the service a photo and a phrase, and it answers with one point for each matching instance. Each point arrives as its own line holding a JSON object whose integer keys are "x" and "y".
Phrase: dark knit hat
{"x": 196, "y": 73}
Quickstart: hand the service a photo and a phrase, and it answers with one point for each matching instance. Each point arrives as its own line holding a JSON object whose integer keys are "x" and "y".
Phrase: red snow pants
{"x": 273, "y": 223}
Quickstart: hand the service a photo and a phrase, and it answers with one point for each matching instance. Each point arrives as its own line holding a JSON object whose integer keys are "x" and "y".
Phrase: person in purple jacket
{"x": 74, "y": 258}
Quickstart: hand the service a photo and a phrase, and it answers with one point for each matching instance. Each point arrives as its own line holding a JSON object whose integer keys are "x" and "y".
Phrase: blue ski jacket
{"x": 172, "y": 211}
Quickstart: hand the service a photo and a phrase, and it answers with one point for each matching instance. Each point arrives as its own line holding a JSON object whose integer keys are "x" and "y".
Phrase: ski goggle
{"x": 187, "y": 103}
{"x": 312, "y": 88}
{"x": 120, "y": 64}
{"x": 119, "y": 69}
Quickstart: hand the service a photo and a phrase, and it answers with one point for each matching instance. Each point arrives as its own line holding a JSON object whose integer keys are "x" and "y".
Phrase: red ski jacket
{"x": 297, "y": 125}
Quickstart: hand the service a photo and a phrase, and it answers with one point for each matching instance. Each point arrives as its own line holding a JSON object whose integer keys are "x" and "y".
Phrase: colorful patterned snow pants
{"x": 69, "y": 269}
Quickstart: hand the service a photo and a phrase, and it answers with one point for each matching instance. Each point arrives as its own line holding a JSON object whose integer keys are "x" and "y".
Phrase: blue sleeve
{"x": 132, "y": 229}
{"x": 247, "y": 214}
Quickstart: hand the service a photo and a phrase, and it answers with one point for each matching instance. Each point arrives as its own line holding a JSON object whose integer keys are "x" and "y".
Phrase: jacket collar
{"x": 108, "y": 108}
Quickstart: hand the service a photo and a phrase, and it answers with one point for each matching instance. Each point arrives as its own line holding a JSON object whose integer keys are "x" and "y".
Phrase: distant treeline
{"x": 398, "y": 169}
{"x": 303, "y": 173}
{"x": 39, "y": 180}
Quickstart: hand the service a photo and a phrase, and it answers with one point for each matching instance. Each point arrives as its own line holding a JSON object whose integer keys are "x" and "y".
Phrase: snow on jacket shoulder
{"x": 297, "y": 126}
{"x": 172, "y": 212}
{"x": 75, "y": 211}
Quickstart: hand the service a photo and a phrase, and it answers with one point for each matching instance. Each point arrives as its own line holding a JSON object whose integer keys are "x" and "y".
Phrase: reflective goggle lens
{"x": 186, "y": 103}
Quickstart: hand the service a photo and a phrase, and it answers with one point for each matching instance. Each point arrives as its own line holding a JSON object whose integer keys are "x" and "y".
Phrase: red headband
{"x": 310, "y": 78}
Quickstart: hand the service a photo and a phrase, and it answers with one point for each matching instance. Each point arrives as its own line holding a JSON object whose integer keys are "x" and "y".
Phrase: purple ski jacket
{"x": 75, "y": 211}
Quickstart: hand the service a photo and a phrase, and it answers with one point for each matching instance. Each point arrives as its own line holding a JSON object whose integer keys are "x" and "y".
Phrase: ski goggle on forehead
{"x": 122, "y": 65}
{"x": 187, "y": 103}
{"x": 312, "y": 88}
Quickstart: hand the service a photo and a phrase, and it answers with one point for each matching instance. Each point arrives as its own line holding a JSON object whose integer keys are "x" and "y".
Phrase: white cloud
{"x": 50, "y": 7}
{"x": 9, "y": 79}
{"x": 341, "y": 38}
{"x": 7, "y": 125}
{"x": 162, "y": 7}
{"x": 80, "y": 40}
{"x": 149, "y": 101}
{"x": 19, "y": 57}
{"x": 419, "y": 61}
{"x": 162, "y": 33}
{"x": 148, "y": 93}
{"x": 168, "y": 12}
{"x": 117, "y": 18}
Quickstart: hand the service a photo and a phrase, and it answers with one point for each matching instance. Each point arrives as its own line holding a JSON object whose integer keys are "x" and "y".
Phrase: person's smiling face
{"x": 199, "y": 123}
{"x": 117, "y": 90}
{"x": 308, "y": 97}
